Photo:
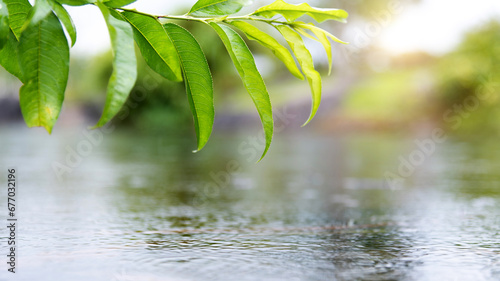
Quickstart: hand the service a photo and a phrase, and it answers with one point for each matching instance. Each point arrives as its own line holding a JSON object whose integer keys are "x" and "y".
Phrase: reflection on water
{"x": 317, "y": 208}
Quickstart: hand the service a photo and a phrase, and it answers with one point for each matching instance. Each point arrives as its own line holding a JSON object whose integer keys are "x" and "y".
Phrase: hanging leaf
{"x": 66, "y": 20}
{"x": 124, "y": 64}
{"x": 40, "y": 11}
{"x": 9, "y": 57}
{"x": 118, "y": 3}
{"x": 44, "y": 59}
{"x": 4, "y": 24}
{"x": 156, "y": 46}
{"x": 18, "y": 12}
{"x": 306, "y": 62}
{"x": 205, "y": 8}
{"x": 292, "y": 12}
{"x": 245, "y": 64}
{"x": 320, "y": 36}
{"x": 198, "y": 80}
{"x": 269, "y": 42}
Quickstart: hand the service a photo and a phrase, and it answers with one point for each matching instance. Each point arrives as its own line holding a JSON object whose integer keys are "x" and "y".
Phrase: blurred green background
{"x": 372, "y": 88}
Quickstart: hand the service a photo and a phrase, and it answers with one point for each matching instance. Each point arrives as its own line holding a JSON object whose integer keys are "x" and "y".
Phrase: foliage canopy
{"x": 34, "y": 48}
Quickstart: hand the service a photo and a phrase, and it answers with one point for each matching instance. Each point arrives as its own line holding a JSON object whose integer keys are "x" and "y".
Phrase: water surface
{"x": 138, "y": 207}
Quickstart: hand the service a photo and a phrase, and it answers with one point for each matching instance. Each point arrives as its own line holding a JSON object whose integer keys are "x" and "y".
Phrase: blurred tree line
{"x": 468, "y": 83}
{"x": 166, "y": 104}
{"x": 458, "y": 91}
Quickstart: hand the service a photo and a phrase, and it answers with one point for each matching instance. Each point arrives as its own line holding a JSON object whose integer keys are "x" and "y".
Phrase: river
{"x": 130, "y": 206}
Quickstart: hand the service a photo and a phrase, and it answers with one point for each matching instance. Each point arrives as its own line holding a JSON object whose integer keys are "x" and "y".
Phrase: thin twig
{"x": 206, "y": 20}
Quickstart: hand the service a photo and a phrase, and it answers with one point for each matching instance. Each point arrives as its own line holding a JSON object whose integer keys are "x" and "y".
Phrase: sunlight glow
{"x": 436, "y": 26}
{"x": 431, "y": 26}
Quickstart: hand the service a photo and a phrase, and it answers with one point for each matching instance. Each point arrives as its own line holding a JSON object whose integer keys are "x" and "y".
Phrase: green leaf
{"x": 118, "y": 3}
{"x": 9, "y": 57}
{"x": 44, "y": 54}
{"x": 206, "y": 8}
{"x": 198, "y": 80}
{"x": 306, "y": 62}
{"x": 245, "y": 64}
{"x": 292, "y": 12}
{"x": 40, "y": 11}
{"x": 124, "y": 64}
{"x": 268, "y": 41}
{"x": 321, "y": 36}
{"x": 316, "y": 30}
{"x": 76, "y": 2}
{"x": 4, "y": 24}
{"x": 156, "y": 46}
{"x": 18, "y": 12}
{"x": 66, "y": 20}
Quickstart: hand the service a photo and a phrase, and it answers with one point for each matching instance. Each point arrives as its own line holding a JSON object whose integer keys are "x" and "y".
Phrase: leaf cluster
{"x": 34, "y": 48}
